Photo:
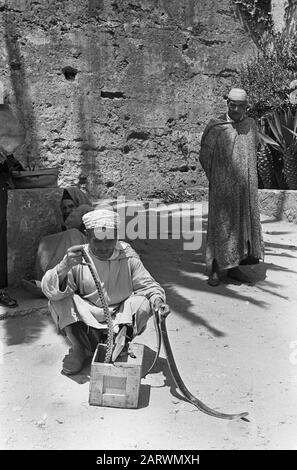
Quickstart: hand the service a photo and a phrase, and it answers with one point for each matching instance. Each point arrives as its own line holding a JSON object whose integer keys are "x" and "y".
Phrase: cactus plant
{"x": 283, "y": 126}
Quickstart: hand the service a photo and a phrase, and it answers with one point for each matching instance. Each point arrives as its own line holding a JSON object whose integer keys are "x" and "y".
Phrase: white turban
{"x": 101, "y": 218}
{"x": 237, "y": 94}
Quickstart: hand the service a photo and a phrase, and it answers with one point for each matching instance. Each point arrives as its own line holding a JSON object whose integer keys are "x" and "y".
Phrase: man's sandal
{"x": 7, "y": 301}
{"x": 249, "y": 260}
{"x": 238, "y": 275}
{"x": 213, "y": 280}
{"x": 73, "y": 362}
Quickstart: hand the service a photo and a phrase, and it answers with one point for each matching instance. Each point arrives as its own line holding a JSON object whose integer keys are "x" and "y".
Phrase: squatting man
{"x": 130, "y": 291}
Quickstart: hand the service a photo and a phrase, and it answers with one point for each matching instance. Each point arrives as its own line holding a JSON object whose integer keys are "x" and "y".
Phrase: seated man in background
{"x": 130, "y": 291}
{"x": 52, "y": 248}
{"x": 74, "y": 205}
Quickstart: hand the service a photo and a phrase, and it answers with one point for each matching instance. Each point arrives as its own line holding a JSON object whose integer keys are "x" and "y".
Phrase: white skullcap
{"x": 100, "y": 218}
{"x": 293, "y": 85}
{"x": 237, "y": 94}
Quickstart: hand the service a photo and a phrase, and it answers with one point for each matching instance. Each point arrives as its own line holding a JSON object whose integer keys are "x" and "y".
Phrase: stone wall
{"x": 31, "y": 214}
{"x": 116, "y": 93}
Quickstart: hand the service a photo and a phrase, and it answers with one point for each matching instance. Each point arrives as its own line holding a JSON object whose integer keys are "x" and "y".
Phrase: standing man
{"x": 12, "y": 135}
{"x": 229, "y": 159}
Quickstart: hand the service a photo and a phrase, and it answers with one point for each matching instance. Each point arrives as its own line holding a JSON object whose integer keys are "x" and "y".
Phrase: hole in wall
{"x": 15, "y": 65}
{"x": 112, "y": 94}
{"x": 69, "y": 73}
{"x": 126, "y": 149}
{"x": 139, "y": 135}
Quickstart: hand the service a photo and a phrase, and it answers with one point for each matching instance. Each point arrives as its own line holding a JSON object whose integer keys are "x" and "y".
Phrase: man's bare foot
{"x": 238, "y": 275}
{"x": 214, "y": 279}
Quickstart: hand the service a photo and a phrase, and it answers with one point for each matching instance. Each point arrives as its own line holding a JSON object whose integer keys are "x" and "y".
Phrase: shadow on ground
{"x": 24, "y": 329}
{"x": 175, "y": 268}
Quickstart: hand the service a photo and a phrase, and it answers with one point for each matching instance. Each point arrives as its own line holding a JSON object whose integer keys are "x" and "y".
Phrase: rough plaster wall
{"x": 150, "y": 73}
{"x": 31, "y": 214}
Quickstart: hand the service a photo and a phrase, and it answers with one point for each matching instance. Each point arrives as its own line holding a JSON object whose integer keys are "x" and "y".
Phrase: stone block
{"x": 31, "y": 214}
{"x": 277, "y": 203}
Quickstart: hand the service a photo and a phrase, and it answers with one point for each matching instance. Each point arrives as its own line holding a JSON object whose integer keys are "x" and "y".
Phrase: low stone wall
{"x": 280, "y": 204}
{"x": 31, "y": 214}
{"x": 277, "y": 203}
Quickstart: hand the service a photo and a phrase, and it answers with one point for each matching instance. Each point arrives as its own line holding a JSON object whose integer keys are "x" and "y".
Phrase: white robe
{"x": 128, "y": 288}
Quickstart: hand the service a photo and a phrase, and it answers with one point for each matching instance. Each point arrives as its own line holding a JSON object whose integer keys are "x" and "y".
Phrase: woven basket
{"x": 42, "y": 178}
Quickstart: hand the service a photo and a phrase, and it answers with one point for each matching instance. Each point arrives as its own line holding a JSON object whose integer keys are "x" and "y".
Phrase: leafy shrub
{"x": 267, "y": 77}
{"x": 257, "y": 12}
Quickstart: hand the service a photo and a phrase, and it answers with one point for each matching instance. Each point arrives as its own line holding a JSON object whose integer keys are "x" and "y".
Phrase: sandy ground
{"x": 235, "y": 346}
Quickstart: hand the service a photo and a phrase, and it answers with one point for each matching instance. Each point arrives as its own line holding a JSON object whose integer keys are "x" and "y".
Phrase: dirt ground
{"x": 235, "y": 346}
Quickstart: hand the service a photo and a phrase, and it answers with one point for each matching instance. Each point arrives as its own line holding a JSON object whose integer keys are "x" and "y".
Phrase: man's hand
{"x": 73, "y": 256}
{"x": 157, "y": 303}
{"x": 160, "y": 304}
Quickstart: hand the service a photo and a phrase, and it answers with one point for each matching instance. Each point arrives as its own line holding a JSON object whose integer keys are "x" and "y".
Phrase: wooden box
{"x": 117, "y": 384}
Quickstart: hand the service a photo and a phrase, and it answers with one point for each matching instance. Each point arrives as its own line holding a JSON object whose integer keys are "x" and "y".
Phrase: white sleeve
{"x": 51, "y": 288}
